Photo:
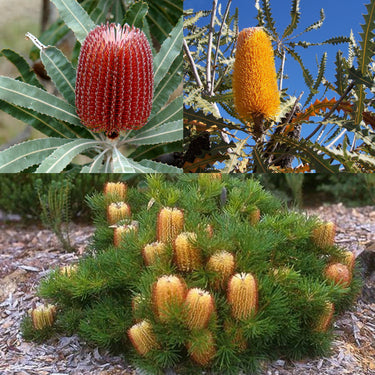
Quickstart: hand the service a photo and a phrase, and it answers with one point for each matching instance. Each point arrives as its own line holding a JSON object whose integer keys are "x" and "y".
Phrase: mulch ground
{"x": 27, "y": 253}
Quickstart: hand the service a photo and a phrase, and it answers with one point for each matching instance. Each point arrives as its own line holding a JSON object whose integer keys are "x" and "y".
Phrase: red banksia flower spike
{"x": 114, "y": 85}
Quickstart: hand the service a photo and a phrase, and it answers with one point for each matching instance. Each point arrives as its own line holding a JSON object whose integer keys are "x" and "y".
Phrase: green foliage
{"x": 27, "y": 100}
{"x": 112, "y": 288}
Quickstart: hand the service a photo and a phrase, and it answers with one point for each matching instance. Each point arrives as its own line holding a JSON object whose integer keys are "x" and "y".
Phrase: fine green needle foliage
{"x": 69, "y": 142}
{"x": 249, "y": 283}
{"x": 326, "y": 128}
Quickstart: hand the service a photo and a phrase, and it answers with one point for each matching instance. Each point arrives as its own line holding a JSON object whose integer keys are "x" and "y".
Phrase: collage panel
{"x": 279, "y": 86}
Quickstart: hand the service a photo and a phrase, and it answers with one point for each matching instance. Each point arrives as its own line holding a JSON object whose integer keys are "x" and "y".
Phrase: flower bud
{"x": 187, "y": 257}
{"x": 43, "y": 316}
{"x": 118, "y": 211}
{"x": 170, "y": 223}
{"x": 223, "y": 264}
{"x": 324, "y": 235}
{"x": 114, "y": 85}
{"x": 199, "y": 308}
{"x": 242, "y": 295}
{"x": 153, "y": 251}
{"x": 142, "y": 337}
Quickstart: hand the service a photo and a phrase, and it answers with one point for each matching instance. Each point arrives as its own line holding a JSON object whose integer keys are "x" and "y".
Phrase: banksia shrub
{"x": 114, "y": 85}
{"x": 118, "y": 211}
{"x": 255, "y": 88}
{"x": 168, "y": 293}
{"x": 170, "y": 223}
{"x": 199, "y": 308}
{"x": 243, "y": 295}
{"x": 186, "y": 255}
{"x": 43, "y": 316}
{"x": 223, "y": 263}
{"x": 324, "y": 234}
{"x": 142, "y": 337}
{"x": 187, "y": 304}
{"x": 115, "y": 189}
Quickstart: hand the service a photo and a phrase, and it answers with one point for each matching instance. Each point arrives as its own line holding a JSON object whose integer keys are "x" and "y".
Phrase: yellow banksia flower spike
{"x": 170, "y": 223}
{"x": 187, "y": 257}
{"x": 223, "y": 263}
{"x": 168, "y": 291}
{"x": 255, "y": 88}
{"x": 68, "y": 270}
{"x": 325, "y": 319}
{"x": 199, "y": 308}
{"x": 338, "y": 273}
{"x": 254, "y": 216}
{"x": 43, "y": 316}
{"x": 349, "y": 260}
{"x": 118, "y": 211}
{"x": 324, "y": 234}
{"x": 115, "y": 189}
{"x": 121, "y": 231}
{"x": 242, "y": 295}
{"x": 202, "y": 352}
{"x": 153, "y": 251}
{"x": 142, "y": 337}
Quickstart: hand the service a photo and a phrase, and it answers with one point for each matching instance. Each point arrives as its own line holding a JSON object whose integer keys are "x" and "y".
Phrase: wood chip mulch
{"x": 28, "y": 252}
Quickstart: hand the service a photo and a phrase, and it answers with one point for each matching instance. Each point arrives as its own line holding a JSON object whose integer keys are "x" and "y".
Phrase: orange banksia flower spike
{"x": 255, "y": 90}
{"x": 339, "y": 274}
{"x": 117, "y": 211}
{"x": 170, "y": 223}
{"x": 223, "y": 264}
{"x": 199, "y": 308}
{"x": 168, "y": 291}
{"x": 114, "y": 85}
{"x": 142, "y": 337}
{"x": 242, "y": 295}
{"x": 121, "y": 231}
{"x": 43, "y": 316}
{"x": 116, "y": 189}
{"x": 204, "y": 351}
{"x": 324, "y": 235}
{"x": 153, "y": 251}
{"x": 187, "y": 257}
{"x": 326, "y": 318}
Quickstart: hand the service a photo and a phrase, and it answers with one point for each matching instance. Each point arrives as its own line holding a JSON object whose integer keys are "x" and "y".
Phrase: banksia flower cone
{"x": 43, "y": 316}
{"x": 114, "y": 85}
{"x": 324, "y": 235}
{"x": 326, "y": 318}
{"x": 254, "y": 216}
{"x": 117, "y": 211}
{"x": 68, "y": 270}
{"x": 223, "y": 264}
{"x": 168, "y": 292}
{"x": 202, "y": 349}
{"x": 142, "y": 337}
{"x": 349, "y": 260}
{"x": 242, "y": 295}
{"x": 121, "y": 231}
{"x": 254, "y": 76}
{"x": 115, "y": 189}
{"x": 199, "y": 308}
{"x": 186, "y": 256}
{"x": 339, "y": 274}
{"x": 153, "y": 251}
{"x": 170, "y": 223}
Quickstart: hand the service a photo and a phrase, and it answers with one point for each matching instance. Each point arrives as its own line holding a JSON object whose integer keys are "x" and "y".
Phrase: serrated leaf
{"x": 160, "y": 167}
{"x": 61, "y": 71}
{"x": 169, "y": 51}
{"x": 306, "y": 74}
{"x": 171, "y": 112}
{"x": 367, "y": 43}
{"x": 28, "y": 96}
{"x": 270, "y": 23}
{"x": 24, "y": 155}
{"x": 136, "y": 14}
{"x": 75, "y": 17}
{"x": 360, "y": 78}
{"x": 121, "y": 164}
{"x": 295, "y": 17}
{"x": 260, "y": 15}
{"x": 99, "y": 15}
{"x": 154, "y": 151}
{"x": 61, "y": 157}
{"x": 316, "y": 25}
{"x": 341, "y": 78}
{"x": 22, "y": 66}
{"x": 200, "y": 163}
{"x": 259, "y": 163}
{"x": 118, "y": 11}
{"x": 195, "y": 17}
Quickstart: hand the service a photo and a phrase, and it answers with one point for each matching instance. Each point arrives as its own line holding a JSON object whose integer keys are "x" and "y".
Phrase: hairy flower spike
{"x": 326, "y": 318}
{"x": 168, "y": 291}
{"x": 242, "y": 295}
{"x": 339, "y": 274}
{"x": 187, "y": 257}
{"x": 202, "y": 349}
{"x": 43, "y": 316}
{"x": 254, "y": 76}
{"x": 121, "y": 231}
{"x": 142, "y": 337}
{"x": 114, "y": 86}
{"x": 324, "y": 235}
{"x": 153, "y": 251}
{"x": 68, "y": 270}
{"x": 199, "y": 308}
{"x": 115, "y": 189}
{"x": 118, "y": 211}
{"x": 170, "y": 223}
{"x": 349, "y": 260}
{"x": 254, "y": 216}
{"x": 223, "y": 264}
